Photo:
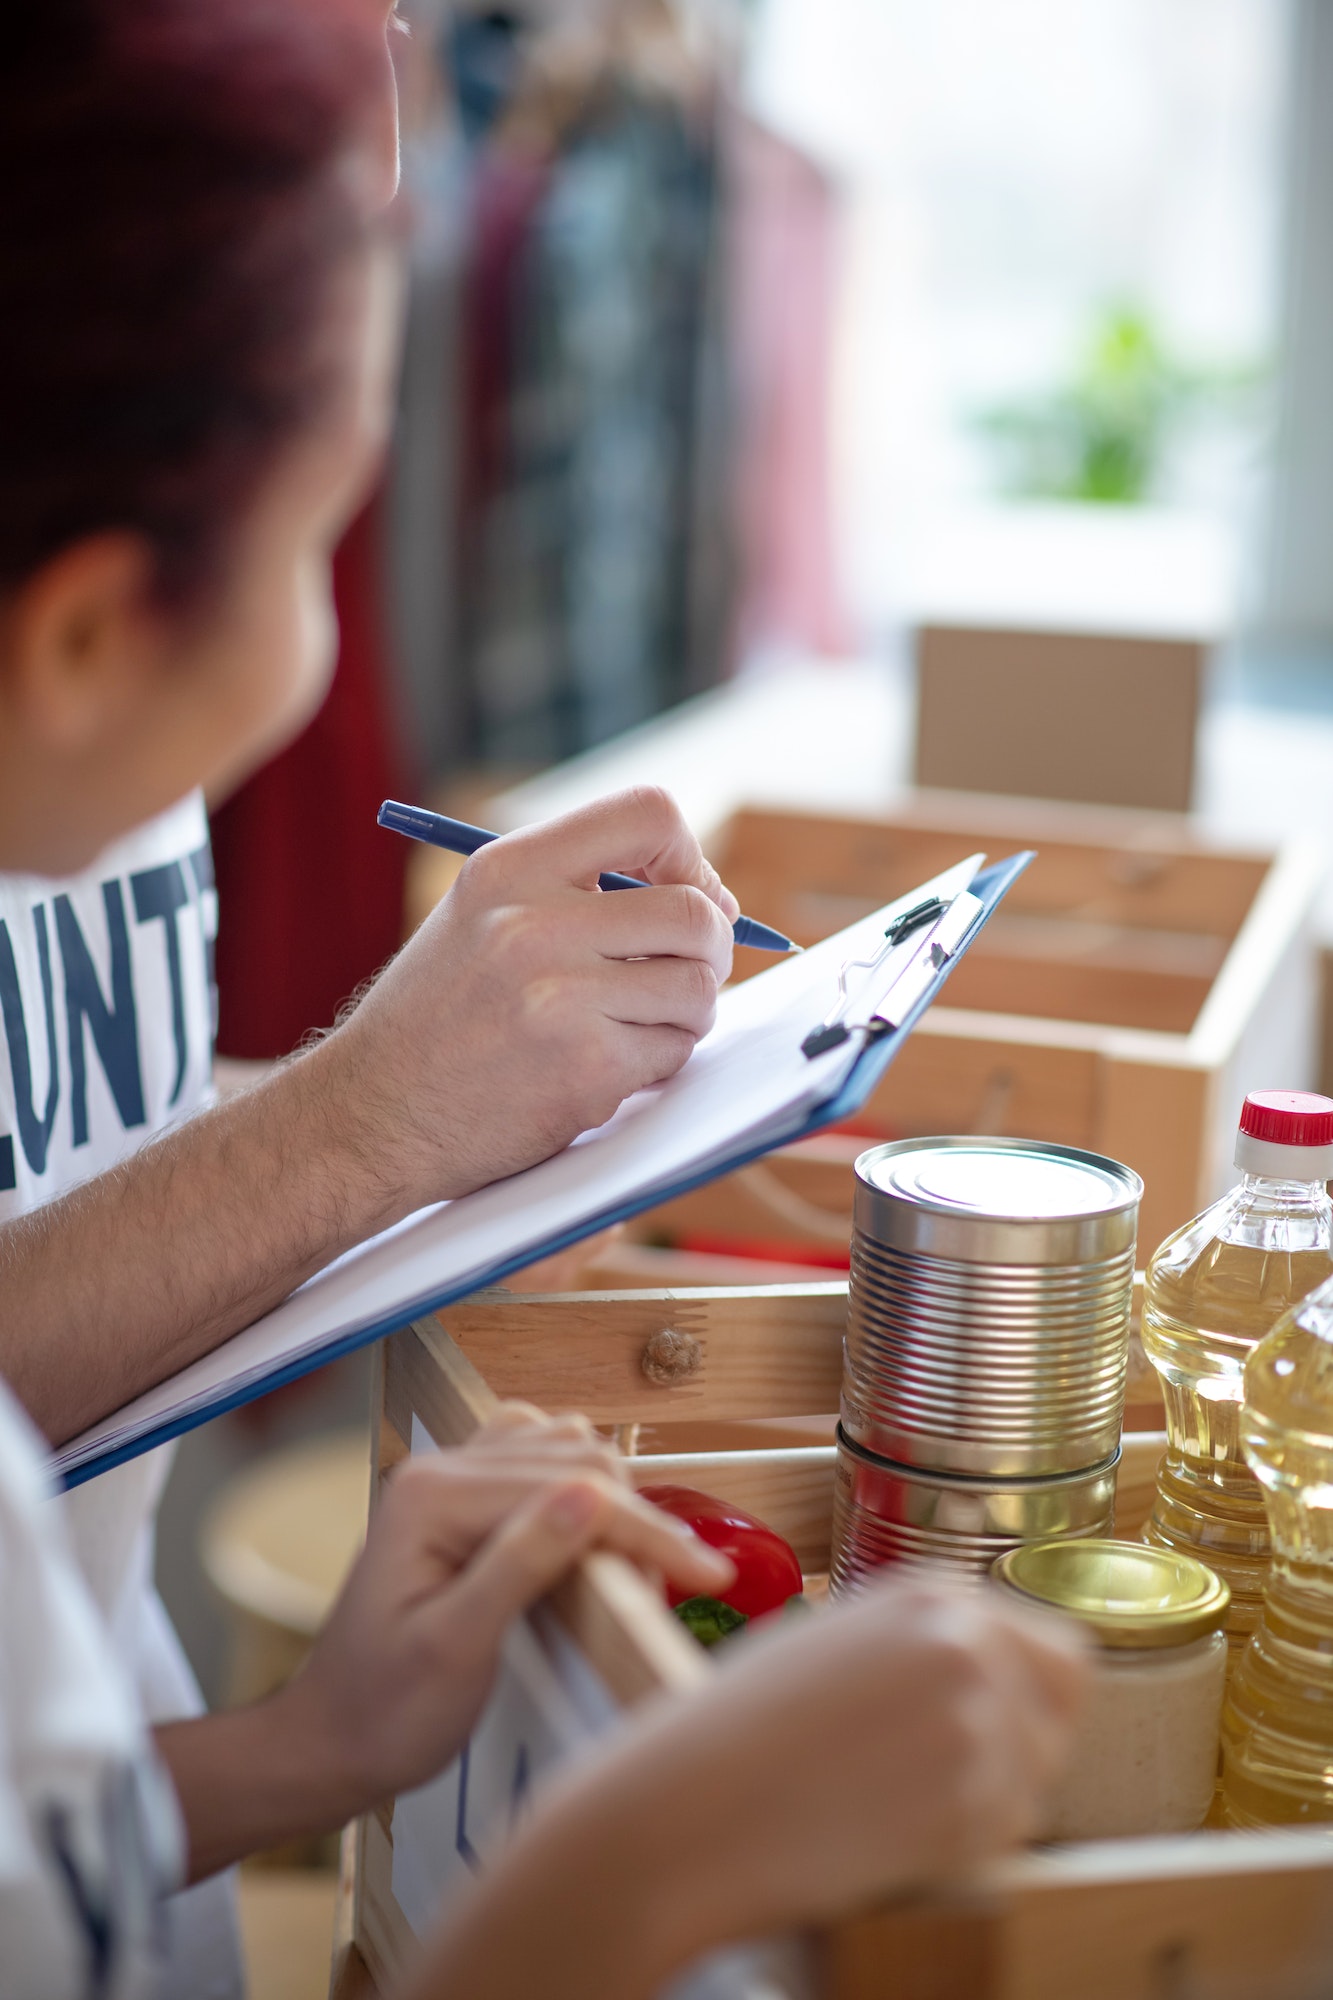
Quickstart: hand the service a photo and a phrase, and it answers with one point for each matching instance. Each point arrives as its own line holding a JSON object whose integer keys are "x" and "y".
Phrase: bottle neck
{"x": 1275, "y": 1214}
{"x": 1290, "y": 1193}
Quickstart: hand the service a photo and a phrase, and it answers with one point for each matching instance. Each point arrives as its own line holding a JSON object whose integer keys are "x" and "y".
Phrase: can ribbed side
{"x": 887, "y": 1514}
{"x": 986, "y": 1369}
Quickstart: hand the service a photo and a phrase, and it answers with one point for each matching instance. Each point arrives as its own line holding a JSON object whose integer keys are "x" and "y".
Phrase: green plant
{"x": 1106, "y": 433}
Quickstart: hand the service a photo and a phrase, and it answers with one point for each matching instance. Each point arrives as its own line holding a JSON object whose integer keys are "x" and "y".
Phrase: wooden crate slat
{"x": 1203, "y": 1917}
{"x": 1154, "y": 1118}
{"x": 382, "y": 1933}
{"x": 628, "y": 1264}
{"x": 1143, "y": 871}
{"x": 781, "y": 1198}
{"x": 1272, "y": 937}
{"x": 1136, "y": 1481}
{"x": 775, "y": 1352}
{"x": 991, "y": 981}
{"x": 967, "y": 1072}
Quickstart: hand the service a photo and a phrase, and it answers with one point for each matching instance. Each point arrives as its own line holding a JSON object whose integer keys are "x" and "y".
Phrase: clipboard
{"x": 796, "y": 1048}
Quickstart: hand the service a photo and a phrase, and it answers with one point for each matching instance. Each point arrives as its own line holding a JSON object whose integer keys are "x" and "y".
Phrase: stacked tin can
{"x": 987, "y": 1341}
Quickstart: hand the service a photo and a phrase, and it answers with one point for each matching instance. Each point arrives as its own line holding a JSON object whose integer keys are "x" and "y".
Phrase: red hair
{"x": 177, "y": 191}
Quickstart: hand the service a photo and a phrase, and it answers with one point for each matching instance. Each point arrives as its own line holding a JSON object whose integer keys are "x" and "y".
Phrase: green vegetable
{"x": 709, "y": 1619}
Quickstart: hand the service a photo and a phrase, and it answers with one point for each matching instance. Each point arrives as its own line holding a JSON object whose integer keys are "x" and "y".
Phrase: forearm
{"x": 559, "y": 1915}
{"x": 253, "y": 1777}
{"x": 611, "y": 1887}
{"x": 128, "y": 1278}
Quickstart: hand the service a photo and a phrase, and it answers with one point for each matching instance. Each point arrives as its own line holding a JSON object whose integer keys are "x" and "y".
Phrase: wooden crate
{"x": 1136, "y": 982}
{"x": 1214, "y": 1916}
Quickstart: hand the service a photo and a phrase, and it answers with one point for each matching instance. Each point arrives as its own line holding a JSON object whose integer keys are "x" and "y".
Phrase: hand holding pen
{"x": 457, "y": 837}
{"x": 525, "y": 1009}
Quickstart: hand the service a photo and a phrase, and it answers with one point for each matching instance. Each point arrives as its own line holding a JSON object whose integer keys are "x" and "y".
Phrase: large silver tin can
{"x": 899, "y": 1514}
{"x": 988, "y": 1316}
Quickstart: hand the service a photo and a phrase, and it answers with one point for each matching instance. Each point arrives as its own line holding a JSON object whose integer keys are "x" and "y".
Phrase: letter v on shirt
{"x": 107, "y": 1014}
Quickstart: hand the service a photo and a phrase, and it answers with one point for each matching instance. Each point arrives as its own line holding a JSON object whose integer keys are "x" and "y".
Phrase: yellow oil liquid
{"x": 1214, "y": 1290}
{"x": 1277, "y": 1724}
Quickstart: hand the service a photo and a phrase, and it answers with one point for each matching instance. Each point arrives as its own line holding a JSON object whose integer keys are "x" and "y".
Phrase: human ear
{"x": 82, "y": 642}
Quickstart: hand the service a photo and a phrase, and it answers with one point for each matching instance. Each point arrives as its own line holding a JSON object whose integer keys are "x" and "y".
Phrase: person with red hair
{"x": 197, "y": 318}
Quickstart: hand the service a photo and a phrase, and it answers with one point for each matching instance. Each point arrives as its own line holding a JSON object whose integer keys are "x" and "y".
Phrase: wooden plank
{"x": 1118, "y": 868}
{"x": 1260, "y": 1028}
{"x": 777, "y": 1200}
{"x": 1044, "y": 938}
{"x": 1143, "y": 1385}
{"x": 1156, "y": 1117}
{"x": 756, "y": 1434}
{"x": 1136, "y": 1481}
{"x": 349, "y": 1975}
{"x": 625, "y": 1631}
{"x": 1278, "y": 915}
{"x": 771, "y": 1352}
{"x": 383, "y": 1936}
{"x": 630, "y": 1265}
{"x": 1248, "y": 1917}
{"x": 1200, "y": 1917}
{"x": 936, "y": 1949}
{"x": 967, "y": 1072}
{"x": 790, "y": 1490}
{"x": 989, "y": 980}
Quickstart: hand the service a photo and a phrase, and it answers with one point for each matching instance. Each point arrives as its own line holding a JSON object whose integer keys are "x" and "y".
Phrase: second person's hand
{"x": 461, "y": 1542}
{"x": 888, "y": 1744}
{"x": 531, "y": 1003}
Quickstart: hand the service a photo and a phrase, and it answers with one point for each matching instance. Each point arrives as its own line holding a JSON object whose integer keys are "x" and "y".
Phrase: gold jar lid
{"x": 1128, "y": 1593}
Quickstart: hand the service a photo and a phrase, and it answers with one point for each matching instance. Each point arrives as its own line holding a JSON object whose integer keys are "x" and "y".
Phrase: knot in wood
{"x": 670, "y": 1358}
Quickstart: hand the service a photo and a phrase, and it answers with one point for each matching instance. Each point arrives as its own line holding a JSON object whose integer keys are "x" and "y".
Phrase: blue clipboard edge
{"x": 991, "y": 885}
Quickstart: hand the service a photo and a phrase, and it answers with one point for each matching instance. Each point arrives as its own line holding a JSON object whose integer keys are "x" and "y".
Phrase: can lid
{"x": 994, "y": 1201}
{"x": 1130, "y": 1594}
{"x": 983, "y": 1177}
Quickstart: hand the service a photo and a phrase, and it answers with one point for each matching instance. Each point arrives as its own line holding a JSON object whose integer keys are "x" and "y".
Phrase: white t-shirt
{"x": 90, "y": 1834}
{"x": 107, "y": 1013}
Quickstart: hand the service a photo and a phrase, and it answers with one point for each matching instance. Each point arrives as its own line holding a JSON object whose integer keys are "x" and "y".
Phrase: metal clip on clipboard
{"x": 949, "y": 925}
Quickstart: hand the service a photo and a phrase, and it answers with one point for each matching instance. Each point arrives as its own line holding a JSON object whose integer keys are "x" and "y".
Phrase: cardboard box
{"x": 1058, "y": 715}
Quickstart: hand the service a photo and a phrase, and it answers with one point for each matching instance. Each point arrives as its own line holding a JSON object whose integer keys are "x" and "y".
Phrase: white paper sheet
{"x": 746, "y": 1085}
{"x": 547, "y": 1704}
{"x": 546, "y": 1701}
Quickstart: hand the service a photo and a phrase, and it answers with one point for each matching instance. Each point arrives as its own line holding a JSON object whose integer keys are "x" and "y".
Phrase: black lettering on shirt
{"x": 34, "y": 1131}
{"x": 114, "y": 1023}
{"x": 161, "y": 892}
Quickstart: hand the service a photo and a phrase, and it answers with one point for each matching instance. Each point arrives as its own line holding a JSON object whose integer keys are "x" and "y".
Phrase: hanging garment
{"x": 586, "y": 329}
{"x": 310, "y": 890}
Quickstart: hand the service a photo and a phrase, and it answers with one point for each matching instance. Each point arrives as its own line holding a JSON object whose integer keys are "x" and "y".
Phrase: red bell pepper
{"x": 767, "y": 1572}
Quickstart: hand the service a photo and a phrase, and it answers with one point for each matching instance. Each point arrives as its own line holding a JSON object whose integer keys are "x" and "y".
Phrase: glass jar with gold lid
{"x": 1145, "y": 1753}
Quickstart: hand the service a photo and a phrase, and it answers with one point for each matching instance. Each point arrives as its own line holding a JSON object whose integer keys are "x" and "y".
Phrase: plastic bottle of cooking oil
{"x": 1214, "y": 1289}
{"x": 1277, "y": 1725}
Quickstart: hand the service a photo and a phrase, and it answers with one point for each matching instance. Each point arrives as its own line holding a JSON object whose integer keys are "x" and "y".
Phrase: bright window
{"x": 1013, "y": 172}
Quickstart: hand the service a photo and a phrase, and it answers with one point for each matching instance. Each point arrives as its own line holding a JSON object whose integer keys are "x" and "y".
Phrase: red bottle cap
{"x": 1288, "y": 1118}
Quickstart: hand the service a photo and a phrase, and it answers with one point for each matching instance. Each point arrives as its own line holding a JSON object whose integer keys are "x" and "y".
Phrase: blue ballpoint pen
{"x": 460, "y": 838}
